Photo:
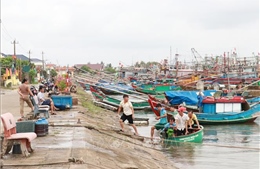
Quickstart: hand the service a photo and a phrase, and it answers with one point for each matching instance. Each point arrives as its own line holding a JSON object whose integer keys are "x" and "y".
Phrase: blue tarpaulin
{"x": 189, "y": 97}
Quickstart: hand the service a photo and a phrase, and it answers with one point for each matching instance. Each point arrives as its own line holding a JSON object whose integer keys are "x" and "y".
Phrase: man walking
{"x": 128, "y": 113}
{"x": 24, "y": 92}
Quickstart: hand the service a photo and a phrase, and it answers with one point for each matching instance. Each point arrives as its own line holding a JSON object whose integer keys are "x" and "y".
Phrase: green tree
{"x": 7, "y": 62}
{"x": 86, "y": 68}
{"x": 110, "y": 70}
{"x": 32, "y": 75}
{"x": 53, "y": 73}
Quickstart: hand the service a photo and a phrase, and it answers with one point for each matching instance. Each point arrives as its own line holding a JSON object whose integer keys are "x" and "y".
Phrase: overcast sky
{"x": 81, "y": 31}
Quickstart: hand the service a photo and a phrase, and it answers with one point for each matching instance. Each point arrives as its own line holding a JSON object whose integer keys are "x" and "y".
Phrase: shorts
{"x": 129, "y": 118}
{"x": 181, "y": 132}
{"x": 159, "y": 126}
{"x": 47, "y": 102}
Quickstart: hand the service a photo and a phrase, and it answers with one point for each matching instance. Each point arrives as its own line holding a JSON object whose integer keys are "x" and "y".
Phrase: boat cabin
{"x": 220, "y": 105}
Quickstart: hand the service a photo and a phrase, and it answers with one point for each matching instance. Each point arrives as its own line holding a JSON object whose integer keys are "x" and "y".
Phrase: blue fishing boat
{"x": 254, "y": 100}
{"x": 227, "y": 110}
{"x": 112, "y": 88}
{"x": 216, "y": 110}
{"x": 189, "y": 98}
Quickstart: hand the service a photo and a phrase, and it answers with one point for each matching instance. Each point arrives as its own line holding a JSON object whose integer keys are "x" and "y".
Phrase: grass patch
{"x": 86, "y": 101}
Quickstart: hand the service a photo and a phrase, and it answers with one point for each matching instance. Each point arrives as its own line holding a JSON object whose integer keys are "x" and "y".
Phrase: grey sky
{"x": 81, "y": 31}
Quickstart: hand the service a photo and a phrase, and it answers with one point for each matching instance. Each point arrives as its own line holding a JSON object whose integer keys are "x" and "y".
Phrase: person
{"x": 200, "y": 98}
{"x": 25, "y": 92}
{"x": 56, "y": 90}
{"x": 43, "y": 101}
{"x": 182, "y": 122}
{"x": 170, "y": 128}
{"x": 173, "y": 111}
{"x": 128, "y": 113}
{"x": 162, "y": 118}
{"x": 192, "y": 119}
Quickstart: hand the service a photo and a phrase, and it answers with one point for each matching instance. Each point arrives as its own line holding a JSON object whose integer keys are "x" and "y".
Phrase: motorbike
{"x": 34, "y": 90}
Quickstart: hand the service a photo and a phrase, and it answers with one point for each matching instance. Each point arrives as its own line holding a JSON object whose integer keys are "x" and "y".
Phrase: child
{"x": 170, "y": 128}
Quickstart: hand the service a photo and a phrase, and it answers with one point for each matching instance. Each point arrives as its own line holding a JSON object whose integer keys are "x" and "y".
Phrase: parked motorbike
{"x": 34, "y": 90}
{"x": 48, "y": 85}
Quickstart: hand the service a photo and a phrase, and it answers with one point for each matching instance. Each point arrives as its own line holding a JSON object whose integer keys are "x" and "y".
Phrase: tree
{"x": 7, "y": 62}
{"x": 32, "y": 75}
{"x": 86, "y": 68}
{"x": 53, "y": 73}
{"x": 110, "y": 70}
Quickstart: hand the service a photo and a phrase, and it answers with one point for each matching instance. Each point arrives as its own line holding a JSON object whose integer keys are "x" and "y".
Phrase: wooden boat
{"x": 223, "y": 111}
{"x": 196, "y": 137}
{"x": 156, "y": 89}
{"x": 138, "y": 104}
{"x": 114, "y": 89}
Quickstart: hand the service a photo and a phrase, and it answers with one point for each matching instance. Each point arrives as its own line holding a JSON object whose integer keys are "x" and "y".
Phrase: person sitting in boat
{"x": 162, "y": 118}
{"x": 170, "y": 128}
{"x": 182, "y": 120}
{"x": 192, "y": 120}
{"x": 200, "y": 98}
{"x": 173, "y": 111}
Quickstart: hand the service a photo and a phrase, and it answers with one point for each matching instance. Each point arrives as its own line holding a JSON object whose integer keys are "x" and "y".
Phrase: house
{"x": 63, "y": 70}
{"x": 50, "y": 66}
{"x": 35, "y": 61}
{"x": 98, "y": 67}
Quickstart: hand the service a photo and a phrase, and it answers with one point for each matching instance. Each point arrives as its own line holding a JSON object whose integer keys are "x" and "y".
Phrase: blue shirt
{"x": 164, "y": 119}
{"x": 168, "y": 125}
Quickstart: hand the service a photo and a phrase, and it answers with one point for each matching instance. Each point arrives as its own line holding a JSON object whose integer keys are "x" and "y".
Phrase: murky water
{"x": 224, "y": 146}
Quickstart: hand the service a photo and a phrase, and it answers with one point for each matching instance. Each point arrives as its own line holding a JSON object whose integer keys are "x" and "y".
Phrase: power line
{"x": 6, "y": 31}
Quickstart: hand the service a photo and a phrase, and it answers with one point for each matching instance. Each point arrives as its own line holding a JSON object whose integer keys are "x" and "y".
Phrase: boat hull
{"x": 196, "y": 137}
{"x": 235, "y": 121}
{"x": 136, "y": 105}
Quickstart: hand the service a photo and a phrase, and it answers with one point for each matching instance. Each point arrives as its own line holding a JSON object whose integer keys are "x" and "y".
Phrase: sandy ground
{"x": 95, "y": 142}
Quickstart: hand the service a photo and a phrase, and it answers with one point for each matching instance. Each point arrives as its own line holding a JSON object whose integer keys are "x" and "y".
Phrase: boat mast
{"x": 176, "y": 64}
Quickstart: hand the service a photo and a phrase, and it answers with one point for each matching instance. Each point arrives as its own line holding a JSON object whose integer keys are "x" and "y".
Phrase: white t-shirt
{"x": 180, "y": 121}
{"x": 40, "y": 97}
{"x": 127, "y": 107}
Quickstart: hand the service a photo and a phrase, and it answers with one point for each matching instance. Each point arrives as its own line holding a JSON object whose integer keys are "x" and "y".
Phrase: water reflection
{"x": 224, "y": 146}
{"x": 181, "y": 152}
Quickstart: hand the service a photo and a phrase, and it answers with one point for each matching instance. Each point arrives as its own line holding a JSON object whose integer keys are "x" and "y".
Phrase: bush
{"x": 62, "y": 85}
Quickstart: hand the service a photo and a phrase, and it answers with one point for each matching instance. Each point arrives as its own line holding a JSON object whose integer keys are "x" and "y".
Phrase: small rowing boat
{"x": 195, "y": 137}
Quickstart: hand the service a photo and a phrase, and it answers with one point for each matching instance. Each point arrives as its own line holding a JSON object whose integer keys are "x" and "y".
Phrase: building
{"x": 50, "y": 66}
{"x": 98, "y": 67}
{"x": 63, "y": 70}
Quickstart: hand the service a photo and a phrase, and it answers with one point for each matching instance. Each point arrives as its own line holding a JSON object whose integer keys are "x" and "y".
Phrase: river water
{"x": 223, "y": 147}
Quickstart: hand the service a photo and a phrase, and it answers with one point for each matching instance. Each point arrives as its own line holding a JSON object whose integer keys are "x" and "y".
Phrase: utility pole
{"x": 170, "y": 55}
{"x": 29, "y": 56}
{"x": 14, "y": 43}
{"x": 43, "y": 61}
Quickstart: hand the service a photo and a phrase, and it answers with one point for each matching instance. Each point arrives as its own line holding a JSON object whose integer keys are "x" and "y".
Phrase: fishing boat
{"x": 195, "y": 137}
{"x": 223, "y": 110}
{"x": 161, "y": 99}
{"x": 156, "y": 89}
{"x": 138, "y": 104}
{"x": 116, "y": 88}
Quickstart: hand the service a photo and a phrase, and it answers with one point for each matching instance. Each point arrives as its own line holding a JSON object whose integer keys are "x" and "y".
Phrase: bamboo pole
{"x": 249, "y": 85}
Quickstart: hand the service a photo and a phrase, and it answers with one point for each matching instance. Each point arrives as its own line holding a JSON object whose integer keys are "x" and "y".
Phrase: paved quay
{"x": 70, "y": 145}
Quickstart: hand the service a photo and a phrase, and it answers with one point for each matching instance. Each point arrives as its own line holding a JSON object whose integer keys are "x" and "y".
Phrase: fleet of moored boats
{"x": 218, "y": 106}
